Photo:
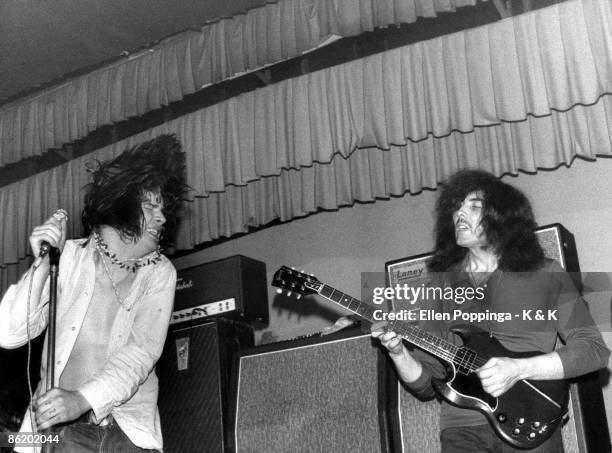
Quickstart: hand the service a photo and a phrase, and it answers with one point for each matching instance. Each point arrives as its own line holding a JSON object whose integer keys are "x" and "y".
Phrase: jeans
{"x": 81, "y": 437}
{"x": 482, "y": 439}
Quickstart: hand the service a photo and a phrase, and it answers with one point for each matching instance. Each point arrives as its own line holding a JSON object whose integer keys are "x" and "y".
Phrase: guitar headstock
{"x": 295, "y": 281}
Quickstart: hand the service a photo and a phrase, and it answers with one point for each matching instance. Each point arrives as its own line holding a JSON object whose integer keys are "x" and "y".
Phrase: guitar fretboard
{"x": 462, "y": 357}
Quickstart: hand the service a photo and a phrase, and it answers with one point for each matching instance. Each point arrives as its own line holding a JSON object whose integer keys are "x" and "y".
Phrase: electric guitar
{"x": 524, "y": 416}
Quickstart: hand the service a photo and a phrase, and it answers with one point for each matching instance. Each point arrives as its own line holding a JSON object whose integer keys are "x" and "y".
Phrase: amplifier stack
{"x": 216, "y": 307}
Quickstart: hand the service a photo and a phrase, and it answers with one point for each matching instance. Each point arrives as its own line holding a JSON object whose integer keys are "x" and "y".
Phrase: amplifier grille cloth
{"x": 318, "y": 398}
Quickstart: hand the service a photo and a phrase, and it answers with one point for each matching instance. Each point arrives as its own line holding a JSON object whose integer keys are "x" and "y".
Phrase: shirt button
{"x": 73, "y": 328}
{"x": 59, "y": 362}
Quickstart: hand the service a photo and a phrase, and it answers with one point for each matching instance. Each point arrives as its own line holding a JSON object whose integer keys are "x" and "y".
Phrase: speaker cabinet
{"x": 586, "y": 430}
{"x": 194, "y": 376}
{"x": 312, "y": 395}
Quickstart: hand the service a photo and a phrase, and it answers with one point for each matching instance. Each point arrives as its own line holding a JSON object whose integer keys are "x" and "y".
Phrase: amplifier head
{"x": 233, "y": 287}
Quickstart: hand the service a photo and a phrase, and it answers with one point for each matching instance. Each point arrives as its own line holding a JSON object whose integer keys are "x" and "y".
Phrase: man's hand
{"x": 52, "y": 231}
{"x": 389, "y": 339}
{"x": 59, "y": 406}
{"x": 498, "y": 375}
{"x": 408, "y": 368}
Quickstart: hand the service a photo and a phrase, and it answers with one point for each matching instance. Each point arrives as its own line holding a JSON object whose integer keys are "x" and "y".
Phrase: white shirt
{"x": 127, "y": 386}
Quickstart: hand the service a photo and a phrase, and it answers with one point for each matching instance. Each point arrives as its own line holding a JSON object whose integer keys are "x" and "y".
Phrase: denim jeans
{"x": 82, "y": 437}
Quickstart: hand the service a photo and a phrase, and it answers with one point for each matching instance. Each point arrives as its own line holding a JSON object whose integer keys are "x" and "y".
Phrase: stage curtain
{"x": 361, "y": 176}
{"x": 385, "y": 125}
{"x": 185, "y": 63}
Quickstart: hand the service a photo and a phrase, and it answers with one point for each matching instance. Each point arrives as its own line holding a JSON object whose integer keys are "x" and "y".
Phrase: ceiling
{"x": 42, "y": 40}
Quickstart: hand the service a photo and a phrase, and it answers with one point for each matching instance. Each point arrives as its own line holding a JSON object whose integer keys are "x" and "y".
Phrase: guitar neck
{"x": 418, "y": 337}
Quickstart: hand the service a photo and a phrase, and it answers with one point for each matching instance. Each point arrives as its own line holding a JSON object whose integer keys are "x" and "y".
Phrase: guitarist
{"x": 485, "y": 239}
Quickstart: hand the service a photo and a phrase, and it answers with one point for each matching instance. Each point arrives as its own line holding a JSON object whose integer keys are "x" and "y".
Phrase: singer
{"x": 114, "y": 302}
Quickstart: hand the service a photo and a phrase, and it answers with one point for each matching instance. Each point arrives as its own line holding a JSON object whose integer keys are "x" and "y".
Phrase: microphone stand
{"x": 54, "y": 255}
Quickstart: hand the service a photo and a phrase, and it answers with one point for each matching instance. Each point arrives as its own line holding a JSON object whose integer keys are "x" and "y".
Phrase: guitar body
{"x": 526, "y": 415}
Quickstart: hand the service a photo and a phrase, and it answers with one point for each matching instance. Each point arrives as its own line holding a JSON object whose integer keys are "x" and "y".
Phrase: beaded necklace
{"x": 130, "y": 264}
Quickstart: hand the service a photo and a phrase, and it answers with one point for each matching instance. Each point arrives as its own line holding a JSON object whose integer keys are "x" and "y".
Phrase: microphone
{"x": 53, "y": 252}
{"x": 45, "y": 248}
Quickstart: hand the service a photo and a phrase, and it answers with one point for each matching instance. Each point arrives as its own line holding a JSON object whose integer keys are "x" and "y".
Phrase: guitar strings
{"x": 450, "y": 352}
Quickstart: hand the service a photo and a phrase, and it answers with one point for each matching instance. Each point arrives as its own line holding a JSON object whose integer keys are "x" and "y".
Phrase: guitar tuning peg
{"x": 299, "y": 296}
{"x": 279, "y": 291}
{"x": 302, "y": 271}
{"x": 288, "y": 293}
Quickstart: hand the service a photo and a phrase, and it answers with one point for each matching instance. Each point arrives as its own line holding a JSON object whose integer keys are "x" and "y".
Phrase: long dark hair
{"x": 507, "y": 220}
{"x": 116, "y": 192}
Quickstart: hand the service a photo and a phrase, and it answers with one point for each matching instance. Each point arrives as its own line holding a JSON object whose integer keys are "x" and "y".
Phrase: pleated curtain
{"x": 187, "y": 62}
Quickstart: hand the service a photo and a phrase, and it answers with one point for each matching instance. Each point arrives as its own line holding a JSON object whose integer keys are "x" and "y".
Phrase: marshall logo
{"x": 182, "y": 284}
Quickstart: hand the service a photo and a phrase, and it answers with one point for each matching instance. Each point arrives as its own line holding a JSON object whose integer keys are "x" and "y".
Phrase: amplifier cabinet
{"x": 320, "y": 394}
{"x": 194, "y": 377}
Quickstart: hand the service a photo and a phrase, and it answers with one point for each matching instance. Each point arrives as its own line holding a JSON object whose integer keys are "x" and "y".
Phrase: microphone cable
{"x": 29, "y": 337}
{"x": 29, "y": 341}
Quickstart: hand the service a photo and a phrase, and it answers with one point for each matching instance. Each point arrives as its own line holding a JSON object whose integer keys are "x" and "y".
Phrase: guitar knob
{"x": 536, "y": 425}
{"x": 516, "y": 431}
{"x": 520, "y": 421}
{"x": 501, "y": 418}
{"x": 532, "y": 435}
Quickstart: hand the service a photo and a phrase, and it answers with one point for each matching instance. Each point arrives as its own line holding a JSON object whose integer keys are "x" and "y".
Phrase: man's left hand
{"x": 498, "y": 375}
{"x": 59, "y": 406}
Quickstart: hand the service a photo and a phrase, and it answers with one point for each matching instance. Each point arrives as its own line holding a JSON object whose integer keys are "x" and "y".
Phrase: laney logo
{"x": 182, "y": 284}
{"x": 408, "y": 274}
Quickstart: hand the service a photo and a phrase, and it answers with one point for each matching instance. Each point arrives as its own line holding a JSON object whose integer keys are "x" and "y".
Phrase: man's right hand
{"x": 52, "y": 231}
